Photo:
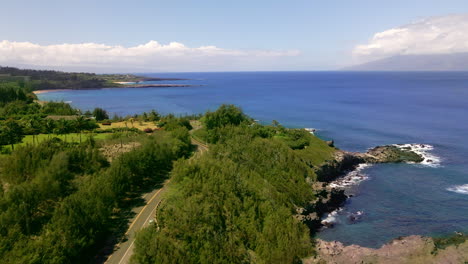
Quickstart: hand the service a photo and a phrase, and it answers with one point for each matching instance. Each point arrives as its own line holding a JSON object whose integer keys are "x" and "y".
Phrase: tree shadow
{"x": 120, "y": 220}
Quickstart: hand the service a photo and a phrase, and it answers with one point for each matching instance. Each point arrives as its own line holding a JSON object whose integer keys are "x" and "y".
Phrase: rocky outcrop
{"x": 392, "y": 154}
{"x": 346, "y": 161}
{"x": 343, "y": 162}
{"x": 328, "y": 199}
{"x": 412, "y": 249}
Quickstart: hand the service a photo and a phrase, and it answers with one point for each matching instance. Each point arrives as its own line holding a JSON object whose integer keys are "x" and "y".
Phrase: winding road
{"x": 144, "y": 215}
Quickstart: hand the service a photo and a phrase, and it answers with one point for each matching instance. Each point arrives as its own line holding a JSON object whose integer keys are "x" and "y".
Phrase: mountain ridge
{"x": 423, "y": 62}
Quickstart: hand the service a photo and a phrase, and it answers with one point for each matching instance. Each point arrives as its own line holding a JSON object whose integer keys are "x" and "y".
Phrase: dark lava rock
{"x": 392, "y": 154}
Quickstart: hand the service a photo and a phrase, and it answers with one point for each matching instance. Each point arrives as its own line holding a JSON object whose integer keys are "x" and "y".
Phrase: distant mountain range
{"x": 437, "y": 62}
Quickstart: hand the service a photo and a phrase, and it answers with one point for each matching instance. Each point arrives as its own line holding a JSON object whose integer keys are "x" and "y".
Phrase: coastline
{"x": 50, "y": 90}
{"x": 124, "y": 82}
{"x": 332, "y": 178}
{"x": 344, "y": 171}
{"x": 126, "y": 86}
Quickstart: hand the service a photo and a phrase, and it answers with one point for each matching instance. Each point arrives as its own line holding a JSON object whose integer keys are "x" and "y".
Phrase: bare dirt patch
{"x": 128, "y": 124}
{"x": 111, "y": 152}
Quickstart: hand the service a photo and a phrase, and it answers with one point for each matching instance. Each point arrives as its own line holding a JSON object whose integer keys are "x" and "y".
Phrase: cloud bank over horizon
{"x": 434, "y": 35}
{"x": 151, "y": 56}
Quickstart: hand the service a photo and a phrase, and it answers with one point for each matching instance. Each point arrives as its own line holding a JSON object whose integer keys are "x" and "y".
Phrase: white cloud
{"x": 151, "y": 56}
{"x": 435, "y": 35}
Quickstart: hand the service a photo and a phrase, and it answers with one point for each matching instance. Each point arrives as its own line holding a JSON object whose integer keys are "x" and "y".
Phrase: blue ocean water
{"x": 358, "y": 111}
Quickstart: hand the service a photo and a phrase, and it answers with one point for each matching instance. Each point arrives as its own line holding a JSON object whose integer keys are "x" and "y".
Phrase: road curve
{"x": 144, "y": 214}
{"x": 201, "y": 147}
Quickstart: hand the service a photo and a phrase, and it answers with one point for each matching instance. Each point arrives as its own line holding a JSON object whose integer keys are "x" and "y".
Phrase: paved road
{"x": 143, "y": 216}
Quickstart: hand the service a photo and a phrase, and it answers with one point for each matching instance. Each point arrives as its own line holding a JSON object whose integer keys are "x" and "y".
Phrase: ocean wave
{"x": 462, "y": 189}
{"x": 355, "y": 217}
{"x": 352, "y": 178}
{"x": 311, "y": 130}
{"x": 424, "y": 150}
{"x": 332, "y": 218}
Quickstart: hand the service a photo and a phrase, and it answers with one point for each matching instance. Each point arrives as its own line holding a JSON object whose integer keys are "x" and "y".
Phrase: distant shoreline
{"x": 126, "y": 86}
{"x": 49, "y": 90}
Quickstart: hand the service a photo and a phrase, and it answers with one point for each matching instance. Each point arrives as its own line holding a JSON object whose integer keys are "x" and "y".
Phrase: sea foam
{"x": 332, "y": 218}
{"x": 424, "y": 150}
{"x": 351, "y": 178}
{"x": 462, "y": 189}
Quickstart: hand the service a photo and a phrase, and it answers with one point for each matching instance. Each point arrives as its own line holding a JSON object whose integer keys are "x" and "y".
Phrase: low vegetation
{"x": 446, "y": 241}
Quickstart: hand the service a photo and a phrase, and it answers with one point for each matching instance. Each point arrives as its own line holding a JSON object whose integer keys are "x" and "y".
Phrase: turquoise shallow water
{"x": 358, "y": 111}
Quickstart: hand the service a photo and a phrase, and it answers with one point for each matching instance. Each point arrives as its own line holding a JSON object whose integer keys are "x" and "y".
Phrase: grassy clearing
{"x": 318, "y": 151}
{"x": 136, "y": 124}
{"x": 72, "y": 137}
{"x": 199, "y": 134}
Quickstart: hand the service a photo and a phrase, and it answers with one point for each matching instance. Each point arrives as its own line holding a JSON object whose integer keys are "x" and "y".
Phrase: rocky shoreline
{"x": 329, "y": 197}
{"x": 411, "y": 249}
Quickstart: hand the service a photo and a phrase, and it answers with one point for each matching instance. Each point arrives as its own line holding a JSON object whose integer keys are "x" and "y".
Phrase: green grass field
{"x": 318, "y": 151}
{"x": 72, "y": 137}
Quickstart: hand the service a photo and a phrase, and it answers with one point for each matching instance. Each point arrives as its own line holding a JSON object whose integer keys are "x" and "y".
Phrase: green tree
{"x": 33, "y": 127}
{"x": 58, "y": 108}
{"x": 225, "y": 115}
{"x": 11, "y": 133}
{"x": 154, "y": 116}
{"x": 63, "y": 127}
{"x": 49, "y": 126}
{"x": 80, "y": 124}
{"x": 100, "y": 114}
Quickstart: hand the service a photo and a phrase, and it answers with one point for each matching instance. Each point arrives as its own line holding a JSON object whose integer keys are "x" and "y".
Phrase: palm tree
{"x": 48, "y": 127}
{"x": 63, "y": 127}
{"x": 34, "y": 127}
{"x": 80, "y": 124}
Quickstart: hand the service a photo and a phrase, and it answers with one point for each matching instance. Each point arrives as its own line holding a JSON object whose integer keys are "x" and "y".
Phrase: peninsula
{"x": 56, "y": 80}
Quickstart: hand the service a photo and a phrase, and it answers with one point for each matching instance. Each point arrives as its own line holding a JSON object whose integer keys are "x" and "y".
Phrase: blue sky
{"x": 324, "y": 32}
